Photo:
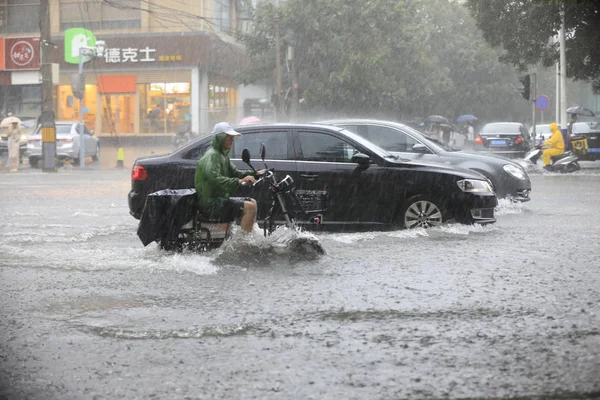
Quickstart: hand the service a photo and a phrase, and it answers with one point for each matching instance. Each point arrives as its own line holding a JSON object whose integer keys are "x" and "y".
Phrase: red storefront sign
{"x": 1, "y": 54}
{"x": 21, "y": 54}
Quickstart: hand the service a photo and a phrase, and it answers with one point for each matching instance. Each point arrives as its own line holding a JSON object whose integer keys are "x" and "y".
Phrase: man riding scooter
{"x": 555, "y": 146}
{"x": 216, "y": 177}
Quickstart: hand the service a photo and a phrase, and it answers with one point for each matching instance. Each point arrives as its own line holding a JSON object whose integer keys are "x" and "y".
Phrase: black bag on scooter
{"x": 165, "y": 212}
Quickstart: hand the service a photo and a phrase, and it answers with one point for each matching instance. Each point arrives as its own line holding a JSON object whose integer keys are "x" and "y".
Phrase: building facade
{"x": 166, "y": 64}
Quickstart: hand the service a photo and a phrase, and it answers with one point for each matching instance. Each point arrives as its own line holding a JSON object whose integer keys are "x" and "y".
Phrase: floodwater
{"x": 509, "y": 310}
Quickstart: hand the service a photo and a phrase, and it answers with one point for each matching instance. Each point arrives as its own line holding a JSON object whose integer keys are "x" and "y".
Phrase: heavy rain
{"x": 453, "y": 144}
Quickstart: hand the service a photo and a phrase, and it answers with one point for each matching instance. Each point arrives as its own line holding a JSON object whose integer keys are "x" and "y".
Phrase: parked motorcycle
{"x": 564, "y": 163}
{"x": 172, "y": 217}
{"x": 183, "y": 136}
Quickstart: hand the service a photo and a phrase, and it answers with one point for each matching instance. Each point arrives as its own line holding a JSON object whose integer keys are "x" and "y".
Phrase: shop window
{"x": 222, "y": 102}
{"x": 19, "y": 16}
{"x": 164, "y": 106}
{"x": 100, "y": 15}
{"x": 68, "y": 106}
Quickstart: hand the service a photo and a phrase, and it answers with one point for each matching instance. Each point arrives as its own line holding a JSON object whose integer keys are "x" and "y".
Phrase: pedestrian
{"x": 446, "y": 134}
{"x": 570, "y": 126}
{"x": 14, "y": 136}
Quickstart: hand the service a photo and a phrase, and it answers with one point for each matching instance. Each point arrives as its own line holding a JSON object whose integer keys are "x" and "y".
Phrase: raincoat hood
{"x": 554, "y": 127}
{"x": 217, "y": 143}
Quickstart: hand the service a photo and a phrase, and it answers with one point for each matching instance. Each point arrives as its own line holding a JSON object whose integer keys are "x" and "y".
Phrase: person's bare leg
{"x": 249, "y": 216}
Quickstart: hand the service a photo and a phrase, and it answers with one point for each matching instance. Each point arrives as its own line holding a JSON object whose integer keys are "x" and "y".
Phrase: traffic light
{"x": 526, "y": 81}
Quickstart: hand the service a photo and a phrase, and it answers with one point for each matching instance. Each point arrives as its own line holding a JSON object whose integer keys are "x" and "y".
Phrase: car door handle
{"x": 309, "y": 176}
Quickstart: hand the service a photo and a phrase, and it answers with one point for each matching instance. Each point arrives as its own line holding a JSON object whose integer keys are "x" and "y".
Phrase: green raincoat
{"x": 216, "y": 177}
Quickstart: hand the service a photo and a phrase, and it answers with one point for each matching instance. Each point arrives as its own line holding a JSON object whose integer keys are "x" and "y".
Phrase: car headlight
{"x": 515, "y": 171}
{"x": 474, "y": 186}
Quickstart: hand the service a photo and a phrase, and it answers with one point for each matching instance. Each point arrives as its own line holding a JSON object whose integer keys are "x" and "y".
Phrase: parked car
{"x": 508, "y": 177}
{"x": 509, "y": 139}
{"x": 368, "y": 188}
{"x": 27, "y": 127}
{"x": 67, "y": 143}
{"x": 542, "y": 133}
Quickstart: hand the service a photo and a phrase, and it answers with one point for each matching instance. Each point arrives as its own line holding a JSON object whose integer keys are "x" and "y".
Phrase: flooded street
{"x": 509, "y": 310}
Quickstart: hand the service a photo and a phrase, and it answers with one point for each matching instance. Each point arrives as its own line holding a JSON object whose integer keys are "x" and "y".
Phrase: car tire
{"x": 96, "y": 155}
{"x": 422, "y": 211}
{"x": 34, "y": 162}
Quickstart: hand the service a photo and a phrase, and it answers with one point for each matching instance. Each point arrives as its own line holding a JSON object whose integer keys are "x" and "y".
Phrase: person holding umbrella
{"x": 14, "y": 135}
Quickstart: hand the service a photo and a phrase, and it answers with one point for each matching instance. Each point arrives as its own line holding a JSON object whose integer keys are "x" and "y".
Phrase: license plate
{"x": 498, "y": 143}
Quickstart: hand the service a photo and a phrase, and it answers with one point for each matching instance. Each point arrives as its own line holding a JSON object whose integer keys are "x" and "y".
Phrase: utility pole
{"x": 277, "y": 64}
{"x": 533, "y": 105}
{"x": 563, "y": 70}
{"x": 294, "y": 100}
{"x": 47, "y": 117}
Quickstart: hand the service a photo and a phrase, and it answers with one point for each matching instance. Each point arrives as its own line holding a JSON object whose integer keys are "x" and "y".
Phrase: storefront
{"x": 152, "y": 85}
{"x": 20, "y": 89}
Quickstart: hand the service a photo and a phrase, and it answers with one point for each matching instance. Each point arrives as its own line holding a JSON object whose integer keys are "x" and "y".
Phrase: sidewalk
{"x": 108, "y": 155}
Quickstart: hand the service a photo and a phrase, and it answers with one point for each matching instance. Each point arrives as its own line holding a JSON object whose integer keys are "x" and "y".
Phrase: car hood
{"x": 473, "y": 156}
{"x": 439, "y": 168}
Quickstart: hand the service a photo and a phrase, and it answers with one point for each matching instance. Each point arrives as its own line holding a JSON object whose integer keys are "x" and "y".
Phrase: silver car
{"x": 67, "y": 143}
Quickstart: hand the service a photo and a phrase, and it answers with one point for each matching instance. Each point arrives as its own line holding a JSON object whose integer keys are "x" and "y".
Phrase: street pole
{"x": 534, "y": 105}
{"x": 48, "y": 126}
{"x": 563, "y": 71}
{"x": 294, "y": 104}
{"x": 81, "y": 130}
{"x": 277, "y": 62}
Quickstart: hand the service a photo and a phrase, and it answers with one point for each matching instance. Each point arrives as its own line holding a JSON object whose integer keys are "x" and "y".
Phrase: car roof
{"x": 359, "y": 121}
{"x": 504, "y": 123}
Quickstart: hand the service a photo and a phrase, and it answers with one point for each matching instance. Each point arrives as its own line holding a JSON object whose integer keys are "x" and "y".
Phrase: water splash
{"x": 508, "y": 206}
{"x": 254, "y": 249}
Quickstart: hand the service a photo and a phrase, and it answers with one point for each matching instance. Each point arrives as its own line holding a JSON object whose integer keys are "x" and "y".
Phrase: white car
{"x": 67, "y": 143}
{"x": 542, "y": 133}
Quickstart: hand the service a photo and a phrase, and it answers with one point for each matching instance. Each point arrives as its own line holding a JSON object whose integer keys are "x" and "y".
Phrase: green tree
{"x": 526, "y": 29}
{"x": 396, "y": 58}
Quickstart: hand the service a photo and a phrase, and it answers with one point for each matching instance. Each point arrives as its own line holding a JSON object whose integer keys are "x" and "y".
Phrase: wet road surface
{"x": 510, "y": 310}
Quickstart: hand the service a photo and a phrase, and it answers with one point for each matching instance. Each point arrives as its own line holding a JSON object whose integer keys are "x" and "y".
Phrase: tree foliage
{"x": 527, "y": 30}
{"x": 400, "y": 58}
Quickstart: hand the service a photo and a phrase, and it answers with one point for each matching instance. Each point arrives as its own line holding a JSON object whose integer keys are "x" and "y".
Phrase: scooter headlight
{"x": 515, "y": 171}
{"x": 474, "y": 186}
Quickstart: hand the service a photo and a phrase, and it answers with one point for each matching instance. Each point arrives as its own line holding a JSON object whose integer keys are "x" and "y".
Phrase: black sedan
{"x": 508, "y": 177}
{"x": 509, "y": 139}
{"x": 368, "y": 187}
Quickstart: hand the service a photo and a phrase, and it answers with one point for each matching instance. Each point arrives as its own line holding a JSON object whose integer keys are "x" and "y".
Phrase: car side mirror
{"x": 361, "y": 159}
{"x": 263, "y": 151}
{"x": 420, "y": 148}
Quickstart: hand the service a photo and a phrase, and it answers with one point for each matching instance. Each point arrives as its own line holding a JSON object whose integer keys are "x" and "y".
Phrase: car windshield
{"x": 500, "y": 128}
{"x": 435, "y": 144}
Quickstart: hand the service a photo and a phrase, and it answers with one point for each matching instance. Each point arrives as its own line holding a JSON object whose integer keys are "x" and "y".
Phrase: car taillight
{"x": 519, "y": 140}
{"x": 138, "y": 173}
{"x": 479, "y": 140}
{"x": 66, "y": 140}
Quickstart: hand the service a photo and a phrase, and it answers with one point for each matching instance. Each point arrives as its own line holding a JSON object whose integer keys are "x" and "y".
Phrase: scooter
{"x": 186, "y": 228}
{"x": 564, "y": 163}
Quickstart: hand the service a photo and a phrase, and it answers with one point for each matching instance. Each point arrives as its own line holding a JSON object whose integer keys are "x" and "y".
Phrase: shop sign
{"x": 75, "y": 38}
{"x": 1, "y": 54}
{"x": 21, "y": 54}
{"x": 114, "y": 55}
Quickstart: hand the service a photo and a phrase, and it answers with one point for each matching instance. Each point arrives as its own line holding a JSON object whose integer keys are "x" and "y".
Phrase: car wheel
{"x": 34, "y": 162}
{"x": 422, "y": 212}
{"x": 96, "y": 155}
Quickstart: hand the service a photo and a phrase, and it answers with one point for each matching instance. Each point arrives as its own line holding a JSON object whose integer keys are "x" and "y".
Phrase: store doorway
{"x": 118, "y": 113}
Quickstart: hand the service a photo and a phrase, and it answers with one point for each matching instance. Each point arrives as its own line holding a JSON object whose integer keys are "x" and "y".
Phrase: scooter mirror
{"x": 263, "y": 151}
{"x": 246, "y": 156}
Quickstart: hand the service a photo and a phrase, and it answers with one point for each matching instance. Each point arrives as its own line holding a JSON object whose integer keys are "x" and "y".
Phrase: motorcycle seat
{"x": 565, "y": 154}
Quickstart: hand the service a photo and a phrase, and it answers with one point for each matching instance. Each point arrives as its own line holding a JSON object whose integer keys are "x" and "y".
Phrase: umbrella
{"x": 466, "y": 117}
{"x": 579, "y": 110}
{"x": 438, "y": 119}
{"x": 10, "y": 120}
{"x": 249, "y": 120}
